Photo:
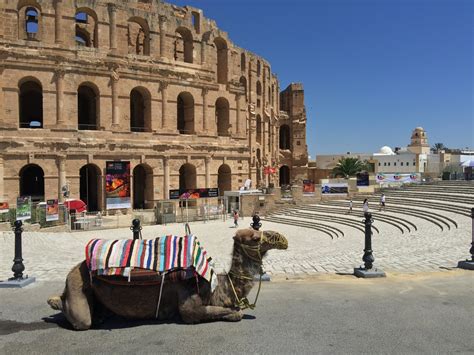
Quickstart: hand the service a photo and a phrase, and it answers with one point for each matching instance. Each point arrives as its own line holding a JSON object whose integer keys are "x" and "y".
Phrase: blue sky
{"x": 372, "y": 70}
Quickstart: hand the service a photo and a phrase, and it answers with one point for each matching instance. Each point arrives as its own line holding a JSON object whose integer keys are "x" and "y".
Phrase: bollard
{"x": 469, "y": 264}
{"x": 256, "y": 222}
{"x": 17, "y": 280}
{"x": 368, "y": 257}
{"x": 136, "y": 228}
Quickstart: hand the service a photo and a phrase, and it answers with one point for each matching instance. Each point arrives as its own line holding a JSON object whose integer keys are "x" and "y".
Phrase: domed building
{"x": 160, "y": 88}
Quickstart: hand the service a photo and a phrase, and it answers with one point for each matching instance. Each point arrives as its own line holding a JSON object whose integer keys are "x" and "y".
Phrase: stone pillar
{"x": 204, "y": 110}
{"x": 2, "y": 183}
{"x": 114, "y": 78}
{"x": 59, "y": 96}
{"x": 164, "y": 104}
{"x": 237, "y": 116}
{"x": 58, "y": 14}
{"x": 61, "y": 161}
{"x": 112, "y": 25}
{"x": 162, "y": 20}
{"x": 203, "y": 52}
{"x": 166, "y": 179}
{"x": 208, "y": 171}
{"x": 2, "y": 104}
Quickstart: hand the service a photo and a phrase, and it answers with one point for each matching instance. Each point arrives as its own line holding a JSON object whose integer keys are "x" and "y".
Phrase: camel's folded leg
{"x": 192, "y": 310}
{"x": 77, "y": 299}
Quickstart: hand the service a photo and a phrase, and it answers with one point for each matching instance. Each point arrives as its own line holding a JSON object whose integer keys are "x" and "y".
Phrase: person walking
{"x": 365, "y": 206}
{"x": 382, "y": 202}
{"x": 236, "y": 218}
{"x": 350, "y": 206}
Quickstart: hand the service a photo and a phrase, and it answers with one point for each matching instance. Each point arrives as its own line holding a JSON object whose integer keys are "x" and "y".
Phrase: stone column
{"x": 58, "y": 14}
{"x": 164, "y": 104}
{"x": 2, "y": 103}
{"x": 166, "y": 179}
{"x": 237, "y": 116}
{"x": 208, "y": 171}
{"x": 2, "y": 183}
{"x": 162, "y": 20}
{"x": 204, "y": 110}
{"x": 59, "y": 96}
{"x": 61, "y": 161}
{"x": 114, "y": 78}
{"x": 112, "y": 25}
{"x": 203, "y": 52}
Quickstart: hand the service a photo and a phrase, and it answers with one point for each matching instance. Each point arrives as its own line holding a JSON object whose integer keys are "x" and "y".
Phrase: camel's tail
{"x": 56, "y": 303}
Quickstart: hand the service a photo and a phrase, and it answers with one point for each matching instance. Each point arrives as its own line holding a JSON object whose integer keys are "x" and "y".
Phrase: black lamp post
{"x": 136, "y": 228}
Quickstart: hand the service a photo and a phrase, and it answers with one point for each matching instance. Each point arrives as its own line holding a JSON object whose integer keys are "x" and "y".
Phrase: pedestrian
{"x": 382, "y": 202}
{"x": 365, "y": 206}
{"x": 236, "y": 218}
{"x": 350, "y": 206}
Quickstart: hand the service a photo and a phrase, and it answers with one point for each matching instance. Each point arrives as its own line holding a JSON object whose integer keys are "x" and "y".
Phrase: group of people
{"x": 365, "y": 204}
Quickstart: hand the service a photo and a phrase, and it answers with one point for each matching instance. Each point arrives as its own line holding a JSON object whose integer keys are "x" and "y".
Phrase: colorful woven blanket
{"x": 118, "y": 257}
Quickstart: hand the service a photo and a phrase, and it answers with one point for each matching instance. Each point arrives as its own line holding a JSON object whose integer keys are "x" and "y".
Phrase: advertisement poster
{"x": 401, "y": 178}
{"x": 308, "y": 187}
{"x": 362, "y": 179}
{"x": 52, "y": 210}
{"x": 334, "y": 188}
{"x": 193, "y": 193}
{"x": 23, "y": 208}
{"x": 117, "y": 184}
{"x": 4, "y": 207}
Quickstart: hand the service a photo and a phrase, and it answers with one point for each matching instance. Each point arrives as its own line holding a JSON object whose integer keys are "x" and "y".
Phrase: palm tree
{"x": 347, "y": 167}
{"x": 437, "y": 147}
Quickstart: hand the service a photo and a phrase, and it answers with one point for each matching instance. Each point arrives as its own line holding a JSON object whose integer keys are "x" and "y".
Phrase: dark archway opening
{"x": 87, "y": 108}
{"x": 222, "y": 117}
{"x": 89, "y": 186}
{"x": 224, "y": 179}
{"x": 142, "y": 187}
{"x": 32, "y": 182}
{"x": 187, "y": 177}
{"x": 185, "y": 113}
{"x": 139, "y": 111}
{"x": 31, "y": 105}
{"x": 284, "y": 175}
{"x": 285, "y": 137}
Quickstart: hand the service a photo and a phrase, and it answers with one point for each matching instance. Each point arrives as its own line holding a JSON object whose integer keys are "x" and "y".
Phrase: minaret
{"x": 419, "y": 142}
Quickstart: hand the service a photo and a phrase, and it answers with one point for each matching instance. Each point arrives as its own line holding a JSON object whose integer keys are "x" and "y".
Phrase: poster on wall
{"x": 52, "y": 210}
{"x": 117, "y": 184}
{"x": 23, "y": 208}
{"x": 334, "y": 188}
{"x": 401, "y": 178}
{"x": 362, "y": 179}
{"x": 4, "y": 207}
{"x": 193, "y": 193}
{"x": 308, "y": 187}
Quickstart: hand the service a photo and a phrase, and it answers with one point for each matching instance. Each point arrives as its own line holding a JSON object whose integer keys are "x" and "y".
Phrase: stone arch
{"x": 259, "y": 129}
{"x": 243, "y": 61}
{"x": 87, "y": 24}
{"x": 32, "y": 182}
{"x": 187, "y": 177}
{"x": 259, "y": 93}
{"x": 30, "y": 22}
{"x": 243, "y": 82}
{"x": 143, "y": 187}
{"x": 138, "y": 36}
{"x": 284, "y": 175}
{"x": 285, "y": 137}
{"x": 88, "y": 98}
{"x": 183, "y": 45}
{"x": 221, "y": 48}
{"x": 224, "y": 179}
{"x": 259, "y": 68}
{"x": 222, "y": 117}
{"x": 89, "y": 186}
{"x": 185, "y": 113}
{"x": 30, "y": 103}
{"x": 140, "y": 110}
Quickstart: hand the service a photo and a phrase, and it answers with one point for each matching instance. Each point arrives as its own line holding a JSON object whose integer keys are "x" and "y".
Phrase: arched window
{"x": 284, "y": 175}
{"x": 87, "y": 107}
{"x": 142, "y": 187}
{"x": 187, "y": 177}
{"x": 138, "y": 36}
{"x": 243, "y": 82}
{"x": 183, "y": 46}
{"x": 242, "y": 62}
{"x": 32, "y": 182}
{"x": 31, "y": 105}
{"x": 224, "y": 179}
{"x": 259, "y": 68}
{"x": 221, "y": 47}
{"x": 259, "y": 94}
{"x": 185, "y": 113}
{"x": 89, "y": 186}
{"x": 285, "y": 137}
{"x": 140, "y": 111}
{"x": 222, "y": 117}
{"x": 86, "y": 28}
{"x": 31, "y": 22}
{"x": 259, "y": 129}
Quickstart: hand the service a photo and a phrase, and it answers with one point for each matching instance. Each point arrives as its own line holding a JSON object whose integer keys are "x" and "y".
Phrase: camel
{"x": 191, "y": 299}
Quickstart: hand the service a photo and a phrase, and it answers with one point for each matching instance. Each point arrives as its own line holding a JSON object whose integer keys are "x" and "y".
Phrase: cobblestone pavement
{"x": 49, "y": 256}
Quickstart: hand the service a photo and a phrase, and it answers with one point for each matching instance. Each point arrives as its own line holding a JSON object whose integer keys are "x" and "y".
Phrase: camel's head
{"x": 259, "y": 241}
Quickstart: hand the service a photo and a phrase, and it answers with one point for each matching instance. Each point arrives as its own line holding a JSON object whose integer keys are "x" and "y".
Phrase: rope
{"x": 187, "y": 229}
{"x": 243, "y": 303}
{"x": 159, "y": 298}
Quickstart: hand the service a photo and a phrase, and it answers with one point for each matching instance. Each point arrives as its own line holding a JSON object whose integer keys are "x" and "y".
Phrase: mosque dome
{"x": 385, "y": 150}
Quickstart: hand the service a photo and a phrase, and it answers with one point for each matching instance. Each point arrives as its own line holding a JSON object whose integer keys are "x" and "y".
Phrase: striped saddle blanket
{"x": 164, "y": 254}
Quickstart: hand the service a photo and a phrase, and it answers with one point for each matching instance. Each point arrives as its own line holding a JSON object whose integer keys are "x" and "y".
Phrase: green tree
{"x": 437, "y": 147}
{"x": 347, "y": 167}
